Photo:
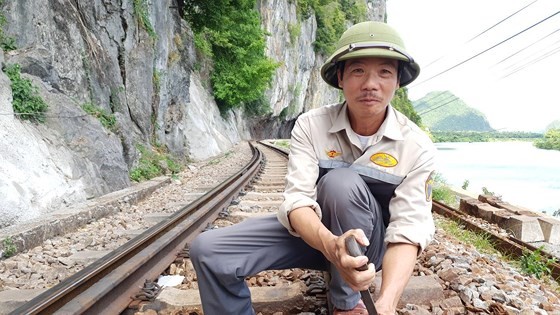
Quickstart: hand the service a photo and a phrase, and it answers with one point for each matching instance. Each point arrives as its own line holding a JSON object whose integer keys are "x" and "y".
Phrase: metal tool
{"x": 354, "y": 250}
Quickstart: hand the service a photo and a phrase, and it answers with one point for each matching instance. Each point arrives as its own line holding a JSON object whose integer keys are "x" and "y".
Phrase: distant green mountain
{"x": 553, "y": 125}
{"x": 443, "y": 111}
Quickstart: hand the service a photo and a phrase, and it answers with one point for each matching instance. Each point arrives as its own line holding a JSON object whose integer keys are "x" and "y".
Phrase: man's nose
{"x": 371, "y": 82}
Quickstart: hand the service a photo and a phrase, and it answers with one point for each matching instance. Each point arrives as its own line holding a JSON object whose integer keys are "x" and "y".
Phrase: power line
{"x": 438, "y": 102}
{"x": 486, "y": 30}
{"x": 522, "y": 49}
{"x": 433, "y": 97}
{"x": 46, "y": 116}
{"x": 486, "y": 50}
{"x": 543, "y": 49}
{"x": 491, "y": 27}
{"x": 546, "y": 55}
{"x": 432, "y": 109}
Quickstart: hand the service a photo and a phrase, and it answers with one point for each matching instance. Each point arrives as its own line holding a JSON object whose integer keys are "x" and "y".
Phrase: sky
{"x": 506, "y": 83}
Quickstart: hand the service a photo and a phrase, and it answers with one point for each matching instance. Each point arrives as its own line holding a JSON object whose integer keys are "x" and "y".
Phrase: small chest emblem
{"x": 332, "y": 153}
{"x": 384, "y": 159}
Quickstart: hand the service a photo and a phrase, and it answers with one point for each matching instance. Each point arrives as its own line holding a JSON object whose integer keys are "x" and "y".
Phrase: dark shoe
{"x": 360, "y": 309}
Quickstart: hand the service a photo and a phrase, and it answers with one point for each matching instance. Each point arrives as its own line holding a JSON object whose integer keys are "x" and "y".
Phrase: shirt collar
{"x": 390, "y": 127}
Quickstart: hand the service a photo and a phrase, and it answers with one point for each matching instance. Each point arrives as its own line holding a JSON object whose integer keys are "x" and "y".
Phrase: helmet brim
{"x": 410, "y": 70}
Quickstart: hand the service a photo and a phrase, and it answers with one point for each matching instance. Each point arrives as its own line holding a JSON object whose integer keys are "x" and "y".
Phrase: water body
{"x": 518, "y": 171}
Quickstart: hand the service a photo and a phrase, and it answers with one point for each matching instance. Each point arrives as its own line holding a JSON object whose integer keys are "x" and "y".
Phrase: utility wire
{"x": 486, "y": 50}
{"x": 437, "y": 103}
{"x": 516, "y": 64}
{"x": 433, "y": 97}
{"x": 522, "y": 49}
{"x": 46, "y": 116}
{"x": 451, "y": 101}
{"x": 491, "y": 27}
{"x": 486, "y": 30}
{"x": 550, "y": 53}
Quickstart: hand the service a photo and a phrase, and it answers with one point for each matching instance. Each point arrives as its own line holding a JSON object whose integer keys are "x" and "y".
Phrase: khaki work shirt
{"x": 397, "y": 165}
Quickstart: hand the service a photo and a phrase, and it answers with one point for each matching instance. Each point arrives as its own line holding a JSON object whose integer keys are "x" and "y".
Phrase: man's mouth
{"x": 369, "y": 99}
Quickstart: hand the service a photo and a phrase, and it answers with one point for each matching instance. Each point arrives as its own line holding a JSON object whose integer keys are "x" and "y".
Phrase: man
{"x": 359, "y": 168}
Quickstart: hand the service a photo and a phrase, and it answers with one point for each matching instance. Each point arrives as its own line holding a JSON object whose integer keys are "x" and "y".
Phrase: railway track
{"x": 108, "y": 285}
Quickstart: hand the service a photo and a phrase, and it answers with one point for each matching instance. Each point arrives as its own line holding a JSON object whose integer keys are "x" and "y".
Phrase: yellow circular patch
{"x": 384, "y": 159}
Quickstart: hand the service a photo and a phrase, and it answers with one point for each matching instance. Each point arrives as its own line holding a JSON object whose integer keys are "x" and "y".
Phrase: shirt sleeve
{"x": 301, "y": 178}
{"x": 411, "y": 207}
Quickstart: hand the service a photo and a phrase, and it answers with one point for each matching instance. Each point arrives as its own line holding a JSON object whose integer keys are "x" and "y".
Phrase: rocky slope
{"x": 100, "y": 53}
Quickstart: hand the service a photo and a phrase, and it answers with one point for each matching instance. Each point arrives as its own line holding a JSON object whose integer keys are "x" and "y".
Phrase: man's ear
{"x": 339, "y": 76}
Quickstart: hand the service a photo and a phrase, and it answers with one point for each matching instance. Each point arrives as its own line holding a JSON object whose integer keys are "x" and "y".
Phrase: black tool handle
{"x": 354, "y": 250}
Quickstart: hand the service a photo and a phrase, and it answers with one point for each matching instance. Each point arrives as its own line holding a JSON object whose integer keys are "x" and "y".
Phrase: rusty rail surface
{"x": 107, "y": 285}
{"x": 508, "y": 246}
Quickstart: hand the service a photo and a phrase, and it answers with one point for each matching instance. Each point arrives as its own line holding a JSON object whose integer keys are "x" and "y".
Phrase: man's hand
{"x": 306, "y": 223}
{"x": 347, "y": 265}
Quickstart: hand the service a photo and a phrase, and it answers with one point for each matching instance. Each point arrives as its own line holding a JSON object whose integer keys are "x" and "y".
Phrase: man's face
{"x": 369, "y": 84}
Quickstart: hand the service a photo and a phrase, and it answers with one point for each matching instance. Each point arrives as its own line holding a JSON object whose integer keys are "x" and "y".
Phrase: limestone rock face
{"x": 99, "y": 52}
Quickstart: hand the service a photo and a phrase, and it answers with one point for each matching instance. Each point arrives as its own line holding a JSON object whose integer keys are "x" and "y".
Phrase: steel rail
{"x": 107, "y": 285}
{"x": 508, "y": 246}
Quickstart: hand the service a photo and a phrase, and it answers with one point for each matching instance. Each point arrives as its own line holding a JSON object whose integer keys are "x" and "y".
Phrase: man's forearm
{"x": 308, "y": 225}
{"x": 398, "y": 264}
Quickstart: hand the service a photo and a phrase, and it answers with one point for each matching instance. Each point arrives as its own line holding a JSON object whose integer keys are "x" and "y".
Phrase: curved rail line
{"x": 509, "y": 246}
{"x": 107, "y": 285}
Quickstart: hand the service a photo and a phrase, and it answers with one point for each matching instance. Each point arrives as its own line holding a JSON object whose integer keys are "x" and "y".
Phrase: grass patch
{"x": 480, "y": 241}
{"x": 294, "y": 30}
{"x": 27, "y": 103}
{"x": 220, "y": 158}
{"x": 10, "y": 248}
{"x": 534, "y": 263}
{"x": 7, "y": 43}
{"x": 282, "y": 143}
{"x": 153, "y": 163}
{"x": 442, "y": 193}
{"x": 108, "y": 120}
{"x": 143, "y": 16}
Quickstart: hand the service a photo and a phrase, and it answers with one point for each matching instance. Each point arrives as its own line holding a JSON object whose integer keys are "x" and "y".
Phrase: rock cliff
{"x": 99, "y": 52}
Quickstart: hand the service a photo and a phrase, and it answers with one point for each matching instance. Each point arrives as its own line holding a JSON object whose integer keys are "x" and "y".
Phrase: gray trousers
{"x": 223, "y": 257}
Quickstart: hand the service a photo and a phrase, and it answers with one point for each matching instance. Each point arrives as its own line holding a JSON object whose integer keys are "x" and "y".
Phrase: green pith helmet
{"x": 370, "y": 39}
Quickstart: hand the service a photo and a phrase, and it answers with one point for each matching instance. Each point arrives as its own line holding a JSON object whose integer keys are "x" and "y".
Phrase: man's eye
{"x": 358, "y": 70}
{"x": 386, "y": 72}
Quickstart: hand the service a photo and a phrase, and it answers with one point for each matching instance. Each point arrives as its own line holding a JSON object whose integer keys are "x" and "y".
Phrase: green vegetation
{"x": 443, "y": 111}
{"x": 27, "y": 102}
{"x": 480, "y": 241}
{"x": 402, "y": 103}
{"x": 230, "y": 32}
{"x": 487, "y": 192}
{"x": 142, "y": 14}
{"x": 282, "y": 143}
{"x": 156, "y": 79}
{"x": 441, "y": 191}
{"x": 484, "y": 136}
{"x": 331, "y": 19}
{"x": 7, "y": 43}
{"x": 550, "y": 141}
{"x": 533, "y": 263}
{"x": 218, "y": 159}
{"x": 295, "y": 31}
{"x": 9, "y": 247}
{"x": 108, "y": 120}
{"x": 465, "y": 185}
{"x": 153, "y": 163}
